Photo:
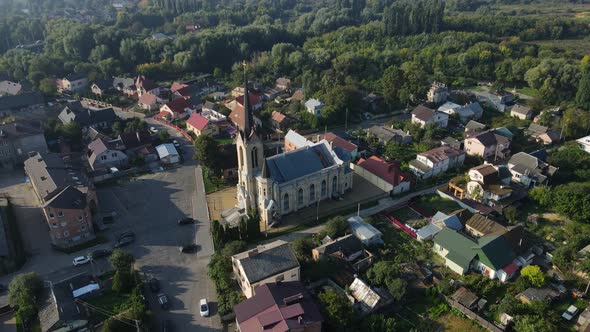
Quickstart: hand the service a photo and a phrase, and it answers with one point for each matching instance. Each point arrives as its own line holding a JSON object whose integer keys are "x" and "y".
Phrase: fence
{"x": 177, "y": 128}
{"x": 473, "y": 316}
{"x": 402, "y": 226}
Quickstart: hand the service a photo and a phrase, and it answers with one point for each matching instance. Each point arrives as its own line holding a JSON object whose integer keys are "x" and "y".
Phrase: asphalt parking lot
{"x": 150, "y": 207}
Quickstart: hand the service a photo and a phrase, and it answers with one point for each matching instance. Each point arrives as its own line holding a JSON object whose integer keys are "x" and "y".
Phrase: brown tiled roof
{"x": 423, "y": 113}
{"x": 484, "y": 224}
{"x": 340, "y": 142}
{"x": 441, "y": 153}
{"x": 485, "y": 169}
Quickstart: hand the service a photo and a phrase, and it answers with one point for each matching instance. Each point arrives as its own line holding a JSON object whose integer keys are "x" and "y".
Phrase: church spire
{"x": 249, "y": 124}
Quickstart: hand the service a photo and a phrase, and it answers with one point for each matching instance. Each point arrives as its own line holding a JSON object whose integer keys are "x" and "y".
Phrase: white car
{"x": 154, "y": 130}
{"x": 204, "y": 311}
{"x": 175, "y": 143}
{"x": 81, "y": 260}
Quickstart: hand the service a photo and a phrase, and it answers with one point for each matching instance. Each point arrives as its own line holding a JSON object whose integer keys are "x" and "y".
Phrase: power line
{"x": 106, "y": 313}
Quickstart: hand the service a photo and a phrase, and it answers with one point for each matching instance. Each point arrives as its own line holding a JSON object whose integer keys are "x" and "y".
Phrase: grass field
{"x": 430, "y": 205}
{"x": 452, "y": 322}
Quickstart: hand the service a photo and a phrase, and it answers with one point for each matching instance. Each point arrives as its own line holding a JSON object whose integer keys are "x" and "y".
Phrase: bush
{"x": 122, "y": 282}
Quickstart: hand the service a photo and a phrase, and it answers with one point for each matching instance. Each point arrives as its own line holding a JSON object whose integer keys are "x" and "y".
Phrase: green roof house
{"x": 491, "y": 255}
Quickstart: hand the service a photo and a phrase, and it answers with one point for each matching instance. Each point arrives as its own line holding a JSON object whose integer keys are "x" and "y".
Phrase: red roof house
{"x": 385, "y": 175}
{"x": 177, "y": 109}
{"x": 337, "y": 141}
{"x": 200, "y": 125}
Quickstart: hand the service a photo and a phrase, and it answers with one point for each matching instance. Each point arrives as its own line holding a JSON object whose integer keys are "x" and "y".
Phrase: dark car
{"x": 99, "y": 253}
{"x": 163, "y": 300}
{"x": 187, "y": 248}
{"x": 154, "y": 285}
{"x": 185, "y": 221}
{"x": 167, "y": 326}
{"x": 124, "y": 241}
{"x": 126, "y": 234}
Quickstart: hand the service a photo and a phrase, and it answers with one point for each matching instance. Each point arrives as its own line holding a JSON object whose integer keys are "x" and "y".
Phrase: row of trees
{"x": 220, "y": 271}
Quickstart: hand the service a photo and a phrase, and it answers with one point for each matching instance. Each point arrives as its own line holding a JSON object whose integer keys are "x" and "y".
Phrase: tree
{"x": 511, "y": 213}
{"x": 47, "y": 86}
{"x": 532, "y": 323}
{"x": 397, "y": 288}
{"x": 391, "y": 83}
{"x": 24, "y": 288}
{"x": 336, "y": 310}
{"x": 206, "y": 152}
{"x": 217, "y": 234}
{"x": 336, "y": 227}
{"x": 122, "y": 281}
{"x": 583, "y": 93}
{"x": 302, "y": 248}
{"x": 534, "y": 275}
{"x": 122, "y": 260}
{"x": 164, "y": 135}
{"x": 379, "y": 323}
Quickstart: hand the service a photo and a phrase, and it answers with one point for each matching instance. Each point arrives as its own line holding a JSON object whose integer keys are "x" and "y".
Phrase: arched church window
{"x": 300, "y": 197}
{"x": 254, "y": 157}
{"x": 311, "y": 193}
{"x": 334, "y": 184}
{"x": 241, "y": 157}
{"x": 324, "y": 188}
{"x": 286, "y": 202}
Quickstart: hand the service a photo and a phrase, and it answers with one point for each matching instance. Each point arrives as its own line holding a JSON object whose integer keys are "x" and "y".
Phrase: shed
{"x": 167, "y": 153}
{"x": 368, "y": 234}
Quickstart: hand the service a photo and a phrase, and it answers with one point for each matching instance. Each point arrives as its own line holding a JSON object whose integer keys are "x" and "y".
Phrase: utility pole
{"x": 317, "y": 212}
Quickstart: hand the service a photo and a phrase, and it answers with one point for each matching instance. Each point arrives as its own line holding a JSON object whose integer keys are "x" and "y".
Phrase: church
{"x": 286, "y": 182}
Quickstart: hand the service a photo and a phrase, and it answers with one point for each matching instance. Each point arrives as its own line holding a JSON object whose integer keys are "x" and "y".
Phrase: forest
{"x": 333, "y": 48}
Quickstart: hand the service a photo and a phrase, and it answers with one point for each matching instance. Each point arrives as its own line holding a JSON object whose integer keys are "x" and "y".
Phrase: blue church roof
{"x": 295, "y": 164}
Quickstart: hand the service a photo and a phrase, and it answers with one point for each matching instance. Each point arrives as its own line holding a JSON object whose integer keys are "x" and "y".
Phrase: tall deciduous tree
{"x": 206, "y": 152}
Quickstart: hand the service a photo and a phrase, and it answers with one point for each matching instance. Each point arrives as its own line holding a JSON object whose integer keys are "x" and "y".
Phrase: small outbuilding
{"x": 168, "y": 153}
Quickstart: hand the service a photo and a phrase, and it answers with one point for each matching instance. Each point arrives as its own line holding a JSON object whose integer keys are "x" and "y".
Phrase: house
{"x": 443, "y": 220}
{"x": 489, "y": 184}
{"x": 479, "y": 225}
{"x": 254, "y": 100}
{"x": 436, "y": 161}
{"x": 584, "y": 143}
{"x": 465, "y": 298}
{"x": 177, "y": 109}
{"x": 11, "y": 105}
{"x": 549, "y": 138}
{"x": 125, "y": 85}
{"x": 535, "y": 130}
{"x": 270, "y": 93}
{"x": 283, "y": 83}
{"x": 314, "y": 107}
{"x": 491, "y": 255}
{"x": 385, "y": 135}
{"x": 68, "y": 199}
{"x": 279, "y": 306}
{"x": 368, "y": 234}
{"x": 438, "y": 93}
{"x": 148, "y": 101}
{"x": 18, "y": 139}
{"x": 368, "y": 299}
{"x": 530, "y": 170}
{"x": 427, "y": 232}
{"x": 386, "y": 176}
{"x": 101, "y": 87}
{"x": 474, "y": 126}
{"x": 60, "y": 309}
{"x": 272, "y": 262}
{"x": 425, "y": 116}
{"x": 100, "y": 119}
{"x": 522, "y": 112}
{"x": 144, "y": 85}
{"x": 583, "y": 322}
{"x": 298, "y": 95}
{"x": 168, "y": 154}
{"x": 531, "y": 295}
{"x": 238, "y": 119}
{"x": 102, "y": 155}
{"x": 72, "y": 83}
{"x": 487, "y": 145}
{"x": 294, "y": 141}
{"x": 452, "y": 142}
{"x": 463, "y": 112}
{"x": 279, "y": 120}
{"x": 336, "y": 141}
{"x": 200, "y": 125}
{"x": 8, "y": 88}
{"x": 496, "y": 99}
{"x": 347, "y": 248}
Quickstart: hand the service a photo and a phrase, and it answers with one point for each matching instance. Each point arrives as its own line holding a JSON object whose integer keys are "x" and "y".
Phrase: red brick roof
{"x": 254, "y": 99}
{"x": 198, "y": 121}
{"x": 387, "y": 171}
{"x": 147, "y": 99}
{"x": 177, "y": 86}
{"x": 178, "y": 105}
{"x": 340, "y": 142}
{"x": 278, "y": 117}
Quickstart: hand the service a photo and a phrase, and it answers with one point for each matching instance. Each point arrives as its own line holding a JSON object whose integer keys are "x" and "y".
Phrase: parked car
{"x": 99, "y": 253}
{"x": 124, "y": 241}
{"x": 81, "y": 260}
{"x": 187, "y": 248}
{"x": 204, "y": 310}
{"x": 175, "y": 143}
{"x": 154, "y": 285}
{"x": 126, "y": 234}
{"x": 185, "y": 221}
{"x": 163, "y": 300}
{"x": 167, "y": 326}
{"x": 153, "y": 130}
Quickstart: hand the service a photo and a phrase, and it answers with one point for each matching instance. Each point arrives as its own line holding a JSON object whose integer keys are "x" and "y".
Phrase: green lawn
{"x": 224, "y": 141}
{"x": 432, "y": 204}
{"x": 404, "y": 214}
{"x": 528, "y": 91}
{"x": 110, "y": 301}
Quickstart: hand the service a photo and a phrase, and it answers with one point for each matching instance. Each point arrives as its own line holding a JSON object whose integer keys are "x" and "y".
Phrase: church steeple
{"x": 249, "y": 124}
